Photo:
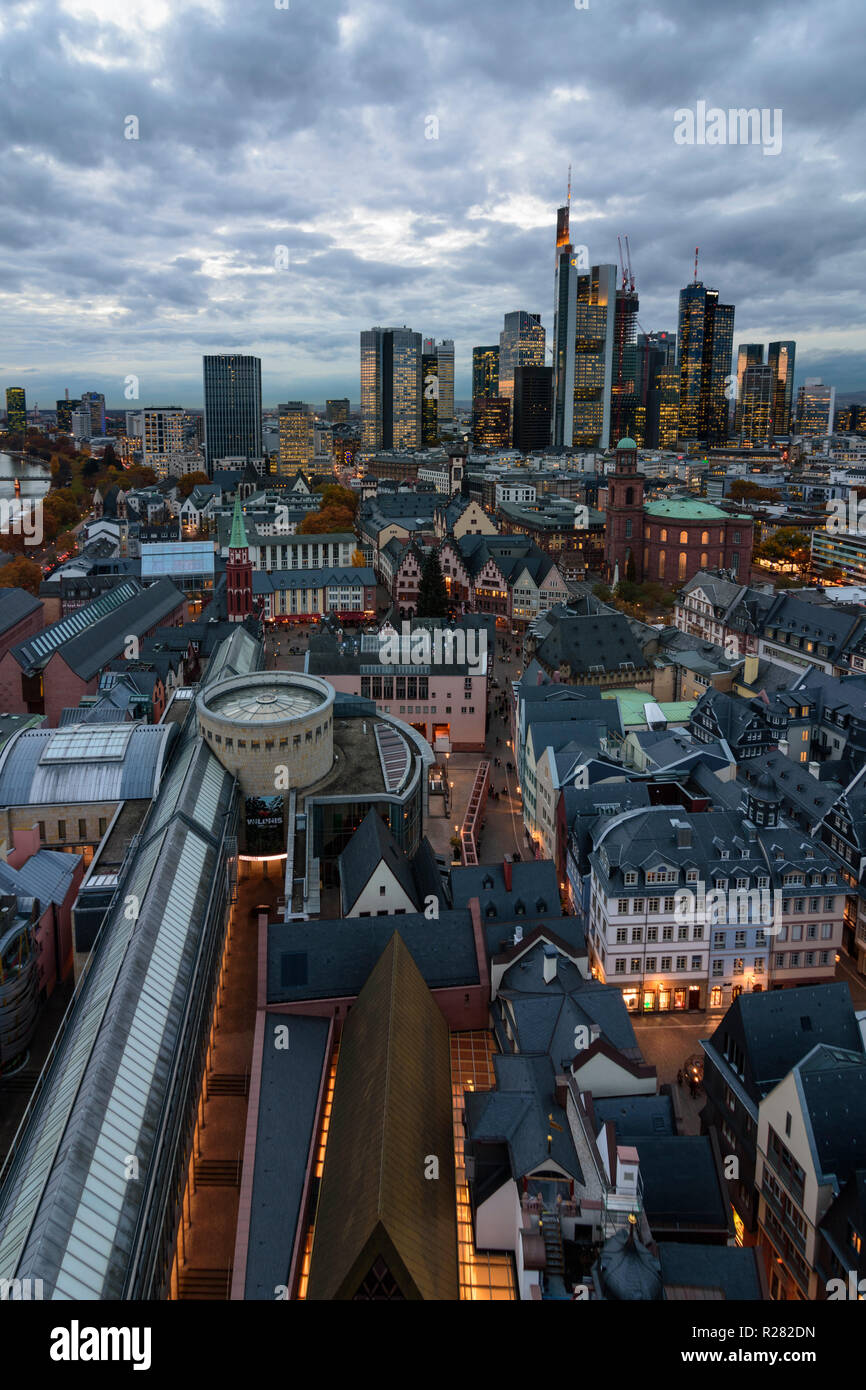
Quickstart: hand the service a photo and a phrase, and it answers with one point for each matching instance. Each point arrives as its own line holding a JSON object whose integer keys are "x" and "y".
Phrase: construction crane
{"x": 628, "y": 260}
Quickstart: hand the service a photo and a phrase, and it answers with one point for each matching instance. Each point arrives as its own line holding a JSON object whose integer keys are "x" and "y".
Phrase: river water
{"x": 35, "y": 479}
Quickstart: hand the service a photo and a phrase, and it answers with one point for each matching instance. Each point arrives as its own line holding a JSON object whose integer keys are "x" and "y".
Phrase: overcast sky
{"x": 308, "y": 128}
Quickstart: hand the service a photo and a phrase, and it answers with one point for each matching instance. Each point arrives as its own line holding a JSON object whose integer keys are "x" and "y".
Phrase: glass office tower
{"x": 16, "y": 409}
{"x": 390, "y": 389}
{"x": 485, "y": 371}
{"x": 780, "y": 356}
{"x": 705, "y": 341}
{"x": 232, "y": 407}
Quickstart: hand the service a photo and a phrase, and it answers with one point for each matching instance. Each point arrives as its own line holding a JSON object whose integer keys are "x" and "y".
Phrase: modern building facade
{"x": 657, "y": 390}
{"x": 532, "y": 405}
{"x": 161, "y": 432}
{"x": 780, "y": 358}
{"x": 756, "y": 404}
{"x": 816, "y": 407}
{"x": 485, "y": 371}
{"x": 705, "y": 337}
{"x": 297, "y": 441}
{"x": 429, "y": 399}
{"x": 491, "y": 422}
{"x": 94, "y": 401}
{"x": 564, "y": 320}
{"x": 337, "y": 411}
{"x": 390, "y": 389}
{"x": 232, "y": 407}
{"x": 748, "y": 355}
{"x": 443, "y": 351}
{"x": 521, "y": 344}
{"x": 595, "y": 318}
{"x": 16, "y": 409}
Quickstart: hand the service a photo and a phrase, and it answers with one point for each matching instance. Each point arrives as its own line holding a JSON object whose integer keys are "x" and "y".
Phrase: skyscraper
{"x": 626, "y": 415}
{"x": 816, "y": 407}
{"x": 232, "y": 407}
{"x": 491, "y": 422}
{"x": 564, "y": 323}
{"x": 94, "y": 401}
{"x": 16, "y": 409}
{"x": 748, "y": 355}
{"x": 390, "y": 389}
{"x": 161, "y": 436}
{"x": 705, "y": 341}
{"x": 444, "y": 353}
{"x": 430, "y": 387}
{"x": 756, "y": 403}
{"x": 337, "y": 411}
{"x": 64, "y": 414}
{"x": 657, "y": 387}
{"x": 521, "y": 344}
{"x": 780, "y": 356}
{"x": 532, "y": 405}
{"x": 297, "y": 437}
{"x": 595, "y": 319}
{"x": 485, "y": 372}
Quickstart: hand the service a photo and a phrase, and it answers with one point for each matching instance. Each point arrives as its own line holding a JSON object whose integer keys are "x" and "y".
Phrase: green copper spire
{"x": 238, "y": 539}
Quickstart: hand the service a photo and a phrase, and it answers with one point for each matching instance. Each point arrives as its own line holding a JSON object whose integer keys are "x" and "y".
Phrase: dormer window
{"x": 631, "y": 877}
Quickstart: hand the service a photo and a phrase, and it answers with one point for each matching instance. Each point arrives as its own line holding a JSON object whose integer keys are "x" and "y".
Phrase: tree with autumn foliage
{"x": 190, "y": 481}
{"x": 21, "y": 574}
{"x": 329, "y": 519}
{"x": 359, "y": 561}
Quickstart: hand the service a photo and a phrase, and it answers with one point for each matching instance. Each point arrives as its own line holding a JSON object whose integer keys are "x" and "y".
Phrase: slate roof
{"x": 534, "y": 888}
{"x": 288, "y": 1098}
{"x": 47, "y": 875}
{"x": 35, "y": 652}
{"x": 833, "y": 1086}
{"x": 779, "y": 1026}
{"x": 15, "y": 605}
{"x": 732, "y": 1269}
{"x": 517, "y": 1113}
{"x": 546, "y": 1015}
{"x": 635, "y": 1117}
{"x": 585, "y": 642}
{"x": 333, "y": 959}
{"x": 681, "y": 1184}
{"x": 270, "y": 581}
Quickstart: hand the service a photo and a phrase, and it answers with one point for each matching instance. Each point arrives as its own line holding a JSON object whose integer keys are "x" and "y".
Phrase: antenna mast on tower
{"x": 697, "y": 249}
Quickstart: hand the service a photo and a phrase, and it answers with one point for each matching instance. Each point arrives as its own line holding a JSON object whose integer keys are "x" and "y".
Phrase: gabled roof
{"x": 371, "y": 845}
{"x": 392, "y": 1108}
{"x": 518, "y": 1114}
{"x": 15, "y": 605}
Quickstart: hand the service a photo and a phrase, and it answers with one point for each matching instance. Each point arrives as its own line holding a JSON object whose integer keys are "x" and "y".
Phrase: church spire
{"x": 238, "y": 538}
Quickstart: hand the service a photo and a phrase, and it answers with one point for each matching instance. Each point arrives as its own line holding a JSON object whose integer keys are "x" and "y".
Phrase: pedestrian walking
{"x": 693, "y": 1088}
{"x": 680, "y": 1077}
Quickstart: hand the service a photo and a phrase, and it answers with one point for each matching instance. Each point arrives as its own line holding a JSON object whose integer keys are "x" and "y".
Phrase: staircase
{"x": 218, "y": 1172}
{"x": 552, "y": 1233}
{"x": 226, "y": 1083}
{"x": 205, "y": 1284}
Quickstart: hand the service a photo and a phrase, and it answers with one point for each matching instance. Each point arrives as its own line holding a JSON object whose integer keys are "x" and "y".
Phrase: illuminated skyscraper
{"x": 16, "y": 409}
{"x": 337, "y": 411}
{"x": 780, "y": 357}
{"x": 430, "y": 386}
{"x": 64, "y": 414}
{"x": 595, "y": 320}
{"x": 232, "y": 407}
{"x": 564, "y": 329}
{"x": 485, "y": 372}
{"x": 816, "y": 407}
{"x": 656, "y": 355}
{"x": 390, "y": 389}
{"x": 521, "y": 344}
{"x": 161, "y": 437}
{"x": 297, "y": 436}
{"x": 748, "y": 355}
{"x": 705, "y": 341}
{"x": 756, "y": 403}
{"x": 491, "y": 422}
{"x": 94, "y": 401}
{"x": 444, "y": 353}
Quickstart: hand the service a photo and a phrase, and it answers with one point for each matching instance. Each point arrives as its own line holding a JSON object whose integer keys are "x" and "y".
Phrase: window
{"x": 718, "y": 968}
{"x": 682, "y": 933}
{"x": 650, "y": 962}
{"x": 637, "y": 934}
{"x": 41, "y": 825}
{"x": 619, "y": 968}
{"x": 61, "y": 830}
{"x": 716, "y": 997}
{"x": 666, "y": 962}
{"x": 652, "y": 905}
{"x": 82, "y": 829}
{"x": 621, "y": 935}
{"x": 667, "y": 933}
{"x": 103, "y": 825}
{"x": 759, "y": 965}
{"x": 681, "y": 962}
{"x": 637, "y": 905}
{"x": 738, "y": 965}
{"x": 696, "y": 962}
{"x": 635, "y": 965}
{"x": 652, "y": 933}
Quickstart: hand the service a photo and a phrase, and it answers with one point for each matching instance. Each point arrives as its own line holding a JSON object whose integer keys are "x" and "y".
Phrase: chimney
{"x": 551, "y": 956}
{"x": 506, "y": 870}
{"x": 684, "y": 834}
{"x": 561, "y": 1092}
{"x": 518, "y": 934}
{"x": 750, "y": 669}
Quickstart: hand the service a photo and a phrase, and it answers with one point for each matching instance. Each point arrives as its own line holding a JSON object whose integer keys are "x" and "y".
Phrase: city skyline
{"x": 398, "y": 205}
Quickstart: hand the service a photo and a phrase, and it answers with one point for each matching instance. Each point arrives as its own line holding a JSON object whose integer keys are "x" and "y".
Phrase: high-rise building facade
{"x": 748, "y": 355}
{"x": 80, "y": 425}
{"x": 756, "y": 404}
{"x": 297, "y": 436}
{"x": 390, "y": 389}
{"x": 532, "y": 406}
{"x": 491, "y": 422}
{"x": 430, "y": 385}
{"x": 816, "y": 407}
{"x": 94, "y": 401}
{"x": 485, "y": 372}
{"x": 232, "y": 407}
{"x": 521, "y": 344}
{"x": 564, "y": 328}
{"x": 16, "y": 409}
{"x": 595, "y": 319}
{"x": 626, "y": 412}
{"x": 656, "y": 355}
{"x": 161, "y": 432}
{"x": 444, "y": 354}
{"x": 64, "y": 414}
{"x": 337, "y": 411}
{"x": 780, "y": 357}
{"x": 705, "y": 344}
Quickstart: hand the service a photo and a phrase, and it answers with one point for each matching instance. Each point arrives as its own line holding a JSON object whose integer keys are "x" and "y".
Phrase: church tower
{"x": 239, "y": 570}
{"x": 623, "y": 532}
